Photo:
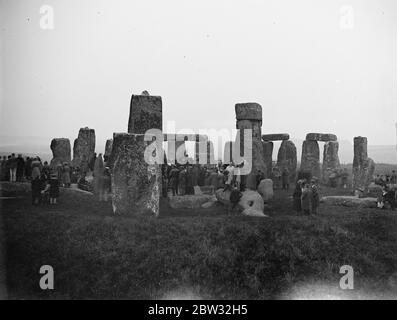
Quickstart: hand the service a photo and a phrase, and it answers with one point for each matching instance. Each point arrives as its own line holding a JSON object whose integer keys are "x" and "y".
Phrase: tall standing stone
{"x": 330, "y": 157}
{"x": 310, "y": 161}
{"x": 363, "y": 167}
{"x": 60, "y": 148}
{"x": 268, "y": 156}
{"x": 145, "y": 113}
{"x": 228, "y": 152}
{"x": 210, "y": 153}
{"x": 287, "y": 157}
{"x": 136, "y": 184}
{"x": 249, "y": 116}
{"x": 108, "y": 148}
{"x": 84, "y": 148}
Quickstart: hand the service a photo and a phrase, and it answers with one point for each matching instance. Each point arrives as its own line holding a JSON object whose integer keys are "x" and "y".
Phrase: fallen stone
{"x": 253, "y": 213}
{"x": 265, "y": 189}
{"x": 275, "y": 137}
{"x": 190, "y": 201}
{"x": 350, "y": 201}
{"x": 250, "y": 200}
{"x": 208, "y": 204}
{"x": 325, "y": 137}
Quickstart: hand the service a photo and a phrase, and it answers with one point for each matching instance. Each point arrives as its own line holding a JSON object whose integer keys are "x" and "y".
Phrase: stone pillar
{"x": 268, "y": 156}
{"x": 136, "y": 184}
{"x": 249, "y": 116}
{"x": 108, "y": 149}
{"x": 310, "y": 161}
{"x": 287, "y": 157}
{"x": 60, "y": 148}
{"x": 363, "y": 167}
{"x": 180, "y": 152}
{"x": 228, "y": 152}
{"x": 145, "y": 113}
{"x": 84, "y": 148}
{"x": 330, "y": 158}
{"x": 210, "y": 153}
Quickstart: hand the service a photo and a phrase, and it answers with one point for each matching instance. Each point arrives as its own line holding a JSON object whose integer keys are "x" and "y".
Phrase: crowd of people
{"x": 388, "y": 198}
{"x": 46, "y": 180}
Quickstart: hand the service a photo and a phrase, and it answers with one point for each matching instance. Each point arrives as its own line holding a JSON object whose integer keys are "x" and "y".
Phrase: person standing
{"x": 13, "y": 165}
{"x": 20, "y": 168}
{"x": 306, "y": 199}
{"x": 173, "y": 177}
{"x": 297, "y": 197}
{"x": 54, "y": 188}
{"x": 106, "y": 185}
{"x": 315, "y": 196}
{"x": 285, "y": 178}
{"x": 393, "y": 178}
{"x": 66, "y": 175}
{"x": 3, "y": 169}
{"x": 182, "y": 182}
{"x": 98, "y": 173}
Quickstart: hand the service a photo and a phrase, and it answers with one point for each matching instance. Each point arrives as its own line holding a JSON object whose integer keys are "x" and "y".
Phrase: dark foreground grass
{"x": 202, "y": 254}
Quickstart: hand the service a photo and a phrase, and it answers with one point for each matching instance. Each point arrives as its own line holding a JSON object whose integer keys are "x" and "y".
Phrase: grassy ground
{"x": 201, "y": 253}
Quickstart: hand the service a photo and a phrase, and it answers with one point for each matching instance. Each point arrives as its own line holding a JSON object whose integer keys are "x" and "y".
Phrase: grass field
{"x": 195, "y": 254}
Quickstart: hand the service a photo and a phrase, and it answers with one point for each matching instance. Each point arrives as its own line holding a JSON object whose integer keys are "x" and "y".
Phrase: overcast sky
{"x": 314, "y": 66}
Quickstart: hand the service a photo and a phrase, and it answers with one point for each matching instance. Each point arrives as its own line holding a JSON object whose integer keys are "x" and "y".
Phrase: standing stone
{"x": 249, "y": 116}
{"x": 108, "y": 148}
{"x": 228, "y": 152}
{"x": 210, "y": 153}
{"x": 330, "y": 157}
{"x": 136, "y": 184}
{"x": 60, "y": 148}
{"x": 145, "y": 113}
{"x": 84, "y": 148}
{"x": 287, "y": 158}
{"x": 310, "y": 161}
{"x": 363, "y": 167}
{"x": 268, "y": 156}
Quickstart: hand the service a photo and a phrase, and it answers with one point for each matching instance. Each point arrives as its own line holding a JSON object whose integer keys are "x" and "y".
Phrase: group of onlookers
{"x": 388, "y": 198}
{"x": 306, "y": 198}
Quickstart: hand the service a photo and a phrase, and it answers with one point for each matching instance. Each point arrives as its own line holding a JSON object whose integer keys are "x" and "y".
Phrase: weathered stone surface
{"x": 249, "y": 116}
{"x": 228, "y": 152}
{"x": 330, "y": 157}
{"x": 248, "y": 111}
{"x": 60, "y": 148}
{"x": 84, "y": 148}
{"x": 287, "y": 158}
{"x": 325, "y": 137}
{"x": 253, "y": 213}
{"x": 265, "y": 189}
{"x": 210, "y": 153}
{"x": 108, "y": 148}
{"x": 145, "y": 113}
{"x": 363, "y": 167}
{"x": 350, "y": 201}
{"x": 190, "y": 201}
{"x": 268, "y": 156}
{"x": 136, "y": 184}
{"x": 310, "y": 161}
{"x": 275, "y": 137}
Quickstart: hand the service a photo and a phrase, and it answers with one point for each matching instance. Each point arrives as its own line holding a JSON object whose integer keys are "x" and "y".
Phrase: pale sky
{"x": 309, "y": 70}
